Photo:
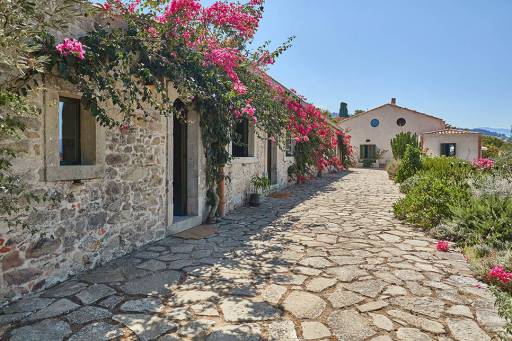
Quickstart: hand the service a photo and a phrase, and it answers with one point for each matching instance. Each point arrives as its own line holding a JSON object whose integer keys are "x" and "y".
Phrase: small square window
{"x": 290, "y": 146}
{"x": 448, "y": 149}
{"x": 69, "y": 132}
{"x": 240, "y": 146}
{"x": 367, "y": 152}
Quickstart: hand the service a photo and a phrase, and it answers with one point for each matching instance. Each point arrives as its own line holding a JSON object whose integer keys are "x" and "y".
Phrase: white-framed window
{"x": 74, "y": 141}
{"x": 242, "y": 145}
{"x": 290, "y": 146}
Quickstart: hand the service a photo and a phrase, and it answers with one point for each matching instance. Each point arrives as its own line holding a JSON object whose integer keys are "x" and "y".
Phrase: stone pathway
{"x": 328, "y": 263}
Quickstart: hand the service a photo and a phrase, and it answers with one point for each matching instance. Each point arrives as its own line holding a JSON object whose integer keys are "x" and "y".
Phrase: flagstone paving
{"x": 328, "y": 263}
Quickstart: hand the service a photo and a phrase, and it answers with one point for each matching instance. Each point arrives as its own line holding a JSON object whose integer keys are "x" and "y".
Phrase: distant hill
{"x": 498, "y": 132}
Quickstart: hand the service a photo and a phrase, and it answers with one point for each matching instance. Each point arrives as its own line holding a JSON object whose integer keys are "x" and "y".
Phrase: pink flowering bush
{"x": 71, "y": 46}
{"x": 484, "y": 164}
{"x": 442, "y": 245}
{"x": 498, "y": 273}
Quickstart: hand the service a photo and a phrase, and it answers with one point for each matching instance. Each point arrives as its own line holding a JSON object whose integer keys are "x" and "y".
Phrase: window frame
{"x": 92, "y": 139}
{"x": 446, "y": 146}
{"x": 362, "y": 149}
{"x": 289, "y": 151}
{"x": 250, "y": 141}
{"x": 400, "y": 120}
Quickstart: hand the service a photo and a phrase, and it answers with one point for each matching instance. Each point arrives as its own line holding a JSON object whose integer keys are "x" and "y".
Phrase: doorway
{"x": 272, "y": 161}
{"x": 179, "y": 184}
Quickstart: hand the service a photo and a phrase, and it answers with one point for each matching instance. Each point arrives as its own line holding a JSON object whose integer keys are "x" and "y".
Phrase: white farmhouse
{"x": 373, "y": 130}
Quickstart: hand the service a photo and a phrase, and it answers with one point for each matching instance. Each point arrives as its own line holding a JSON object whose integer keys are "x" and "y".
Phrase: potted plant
{"x": 260, "y": 184}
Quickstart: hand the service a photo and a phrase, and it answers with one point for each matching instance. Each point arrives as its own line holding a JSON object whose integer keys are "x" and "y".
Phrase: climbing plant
{"x": 22, "y": 25}
{"x": 139, "y": 49}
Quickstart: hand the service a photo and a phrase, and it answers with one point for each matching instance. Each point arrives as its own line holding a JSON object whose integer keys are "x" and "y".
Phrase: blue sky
{"x": 449, "y": 58}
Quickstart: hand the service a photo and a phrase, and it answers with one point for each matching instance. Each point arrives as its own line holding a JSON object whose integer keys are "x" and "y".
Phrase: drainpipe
{"x": 222, "y": 200}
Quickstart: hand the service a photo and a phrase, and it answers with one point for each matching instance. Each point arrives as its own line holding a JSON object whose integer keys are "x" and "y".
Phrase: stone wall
{"x": 241, "y": 170}
{"x": 125, "y": 203}
{"x": 87, "y": 222}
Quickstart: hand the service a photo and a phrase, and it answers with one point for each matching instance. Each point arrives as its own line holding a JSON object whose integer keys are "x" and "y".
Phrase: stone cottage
{"x": 113, "y": 190}
{"x": 373, "y": 130}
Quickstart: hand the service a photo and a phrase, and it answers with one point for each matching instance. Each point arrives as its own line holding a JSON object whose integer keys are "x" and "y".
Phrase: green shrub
{"x": 367, "y": 163}
{"x": 428, "y": 202}
{"x": 484, "y": 220}
{"x": 392, "y": 167}
{"x": 411, "y": 182}
{"x": 447, "y": 167}
{"x": 503, "y": 166}
{"x": 400, "y": 142}
{"x": 409, "y": 164}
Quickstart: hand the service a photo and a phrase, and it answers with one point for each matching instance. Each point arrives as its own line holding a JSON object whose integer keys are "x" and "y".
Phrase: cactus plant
{"x": 400, "y": 142}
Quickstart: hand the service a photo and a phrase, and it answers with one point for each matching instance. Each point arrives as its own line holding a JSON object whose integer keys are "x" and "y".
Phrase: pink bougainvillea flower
{"x": 499, "y": 273}
{"x": 483, "y": 163}
{"x": 153, "y": 32}
{"x": 71, "y": 46}
{"x": 443, "y": 246}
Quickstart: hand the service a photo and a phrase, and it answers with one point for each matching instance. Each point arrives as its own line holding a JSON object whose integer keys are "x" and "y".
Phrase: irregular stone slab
{"x": 65, "y": 289}
{"x": 110, "y": 302}
{"x": 349, "y": 325}
{"x": 394, "y": 290}
{"x": 147, "y": 327}
{"x": 460, "y": 310}
{"x": 316, "y": 262}
{"x": 146, "y": 255}
{"x": 418, "y": 243}
{"x": 152, "y": 265}
{"x": 381, "y": 322}
{"x": 423, "y": 305}
{"x": 28, "y": 305}
{"x": 273, "y": 293}
{"x": 239, "y": 310}
{"x": 205, "y": 309}
{"x": 303, "y": 270}
{"x": 371, "y": 306}
{"x": 98, "y": 331}
{"x": 198, "y": 232}
{"x": 382, "y": 338}
{"x": 193, "y": 296}
{"x": 178, "y": 314}
{"x": 102, "y": 276}
{"x": 282, "y": 330}
{"x": 490, "y": 320}
{"x": 370, "y": 288}
{"x": 391, "y": 238}
{"x": 344, "y": 298}
{"x": 409, "y": 275}
{"x": 10, "y": 318}
{"x": 314, "y": 330}
{"x": 320, "y": 284}
{"x": 408, "y": 334}
{"x": 57, "y": 308}
{"x": 347, "y": 260}
{"x": 53, "y": 330}
{"x": 240, "y": 332}
{"x": 196, "y": 329}
{"x": 304, "y": 305}
{"x": 87, "y": 314}
{"x": 155, "y": 284}
{"x": 418, "y": 321}
{"x": 144, "y": 305}
{"x": 347, "y": 273}
{"x": 463, "y": 329}
{"x": 288, "y": 279}
{"x": 95, "y": 293}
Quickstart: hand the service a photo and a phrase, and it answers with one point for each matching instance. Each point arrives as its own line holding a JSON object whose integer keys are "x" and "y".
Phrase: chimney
{"x": 393, "y": 101}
